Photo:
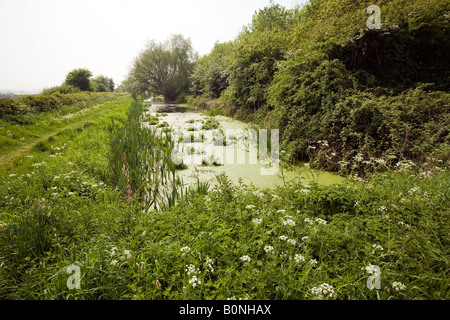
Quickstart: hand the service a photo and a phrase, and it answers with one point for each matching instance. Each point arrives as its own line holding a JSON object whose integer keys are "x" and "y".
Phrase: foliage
{"x": 79, "y": 78}
{"x": 141, "y": 159}
{"x": 62, "y": 89}
{"x": 102, "y": 83}
{"x": 69, "y": 205}
{"x": 257, "y": 51}
{"x": 210, "y": 74}
{"x": 46, "y": 102}
{"x": 238, "y": 241}
{"x": 337, "y": 90}
{"x": 162, "y": 69}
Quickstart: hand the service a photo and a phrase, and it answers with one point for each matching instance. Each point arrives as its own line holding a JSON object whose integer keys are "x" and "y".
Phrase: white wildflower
{"x": 292, "y": 241}
{"x": 257, "y": 221}
{"x": 281, "y": 211}
{"x": 194, "y": 282}
{"x": 323, "y": 291}
{"x": 309, "y": 221}
{"x": 313, "y": 262}
{"x": 114, "y": 262}
{"x": 209, "y": 263}
{"x": 283, "y": 238}
{"x": 289, "y": 222}
{"x": 250, "y": 206}
{"x": 245, "y": 258}
{"x": 377, "y": 246}
{"x": 321, "y": 221}
{"x": 305, "y": 238}
{"x": 185, "y": 249}
{"x": 190, "y": 269}
{"x": 258, "y": 193}
{"x": 299, "y": 258}
{"x": 398, "y": 286}
{"x": 268, "y": 248}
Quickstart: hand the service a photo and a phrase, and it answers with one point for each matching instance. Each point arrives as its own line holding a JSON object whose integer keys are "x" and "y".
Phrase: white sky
{"x": 42, "y": 40}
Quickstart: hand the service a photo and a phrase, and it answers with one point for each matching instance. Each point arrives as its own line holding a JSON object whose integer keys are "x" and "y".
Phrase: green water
{"x": 247, "y": 173}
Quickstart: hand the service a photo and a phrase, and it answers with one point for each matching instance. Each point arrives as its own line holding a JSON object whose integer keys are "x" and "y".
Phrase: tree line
{"x": 343, "y": 95}
{"x": 79, "y": 80}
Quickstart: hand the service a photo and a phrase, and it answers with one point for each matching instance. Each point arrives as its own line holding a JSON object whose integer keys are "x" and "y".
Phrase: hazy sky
{"x": 42, "y": 40}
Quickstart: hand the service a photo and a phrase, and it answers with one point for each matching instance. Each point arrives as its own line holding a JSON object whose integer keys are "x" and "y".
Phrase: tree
{"x": 257, "y": 51}
{"x": 79, "y": 78}
{"x": 111, "y": 85}
{"x": 163, "y": 68}
{"x": 102, "y": 83}
{"x": 210, "y": 74}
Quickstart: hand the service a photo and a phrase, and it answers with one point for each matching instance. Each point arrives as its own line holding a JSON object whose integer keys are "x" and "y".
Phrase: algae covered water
{"x": 204, "y": 158}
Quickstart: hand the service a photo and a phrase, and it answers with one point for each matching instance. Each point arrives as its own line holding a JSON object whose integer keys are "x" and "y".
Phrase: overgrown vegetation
{"x": 219, "y": 242}
{"x": 43, "y": 103}
{"x": 100, "y": 190}
{"x": 344, "y": 97}
{"x": 79, "y": 80}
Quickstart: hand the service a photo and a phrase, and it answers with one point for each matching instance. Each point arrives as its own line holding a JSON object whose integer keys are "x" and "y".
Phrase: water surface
{"x": 194, "y": 153}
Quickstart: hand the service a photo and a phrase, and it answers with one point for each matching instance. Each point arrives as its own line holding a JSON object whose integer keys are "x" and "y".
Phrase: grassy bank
{"x": 223, "y": 242}
{"x": 30, "y": 133}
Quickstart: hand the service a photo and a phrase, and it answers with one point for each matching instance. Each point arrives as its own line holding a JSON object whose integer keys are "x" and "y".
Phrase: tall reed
{"x": 141, "y": 162}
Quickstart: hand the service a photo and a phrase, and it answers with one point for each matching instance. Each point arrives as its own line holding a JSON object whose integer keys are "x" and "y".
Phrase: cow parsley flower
{"x": 292, "y": 241}
{"x": 398, "y": 286}
{"x": 323, "y": 291}
{"x": 268, "y": 248}
{"x": 245, "y": 258}
{"x": 377, "y": 246}
{"x": 283, "y": 238}
{"x": 194, "y": 282}
{"x": 185, "y": 249}
{"x": 190, "y": 269}
{"x": 299, "y": 258}
{"x": 289, "y": 222}
{"x": 209, "y": 262}
{"x": 257, "y": 221}
{"x": 313, "y": 262}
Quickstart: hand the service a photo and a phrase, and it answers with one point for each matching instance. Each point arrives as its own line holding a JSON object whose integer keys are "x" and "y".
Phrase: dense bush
{"x": 339, "y": 91}
{"x": 62, "y": 89}
{"x": 46, "y": 102}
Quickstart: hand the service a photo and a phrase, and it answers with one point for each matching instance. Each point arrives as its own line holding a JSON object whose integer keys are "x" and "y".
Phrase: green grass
{"x": 66, "y": 206}
{"x": 44, "y": 129}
